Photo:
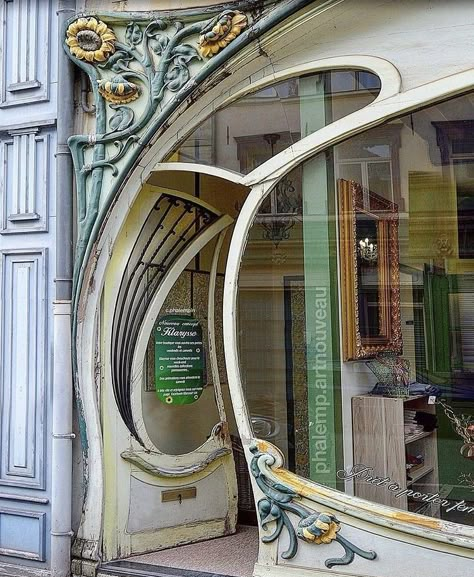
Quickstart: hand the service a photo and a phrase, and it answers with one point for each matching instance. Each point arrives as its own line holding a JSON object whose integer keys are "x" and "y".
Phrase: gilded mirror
{"x": 369, "y": 272}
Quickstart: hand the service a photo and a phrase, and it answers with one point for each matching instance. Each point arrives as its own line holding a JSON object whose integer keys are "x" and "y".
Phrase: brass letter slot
{"x": 178, "y": 494}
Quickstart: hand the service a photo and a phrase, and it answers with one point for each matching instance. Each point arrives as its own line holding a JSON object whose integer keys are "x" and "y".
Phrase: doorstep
{"x": 122, "y": 568}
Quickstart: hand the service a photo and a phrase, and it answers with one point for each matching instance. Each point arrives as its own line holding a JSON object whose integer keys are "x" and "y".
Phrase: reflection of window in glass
{"x": 281, "y": 90}
{"x": 464, "y": 176}
{"x": 250, "y": 131}
{"x": 372, "y": 175}
{"x": 201, "y": 148}
{"x": 457, "y": 154}
{"x": 353, "y": 81}
{"x": 282, "y": 208}
{"x": 374, "y": 164}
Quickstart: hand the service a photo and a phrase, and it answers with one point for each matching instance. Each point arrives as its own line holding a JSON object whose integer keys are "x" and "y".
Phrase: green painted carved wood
{"x": 142, "y": 66}
{"x": 146, "y": 63}
{"x": 319, "y": 528}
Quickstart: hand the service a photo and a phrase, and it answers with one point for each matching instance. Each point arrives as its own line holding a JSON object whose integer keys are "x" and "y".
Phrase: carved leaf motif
{"x": 133, "y": 34}
{"x": 158, "y": 43}
{"x": 156, "y": 27}
{"x": 176, "y": 77}
{"x": 118, "y": 62}
{"x": 185, "y": 53}
{"x": 122, "y": 118}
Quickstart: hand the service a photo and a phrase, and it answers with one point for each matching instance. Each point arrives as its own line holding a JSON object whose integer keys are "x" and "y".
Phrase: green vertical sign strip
{"x": 318, "y": 252}
{"x": 179, "y": 360}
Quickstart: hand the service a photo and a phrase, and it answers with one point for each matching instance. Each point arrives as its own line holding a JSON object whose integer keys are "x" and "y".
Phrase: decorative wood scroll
{"x": 369, "y": 272}
{"x": 280, "y": 499}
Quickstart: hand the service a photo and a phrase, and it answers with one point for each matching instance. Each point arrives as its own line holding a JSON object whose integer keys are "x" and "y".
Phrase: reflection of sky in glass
{"x": 380, "y": 150}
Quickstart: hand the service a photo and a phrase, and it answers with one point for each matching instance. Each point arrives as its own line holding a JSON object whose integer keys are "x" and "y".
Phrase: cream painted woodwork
{"x": 105, "y": 428}
{"x": 387, "y": 43}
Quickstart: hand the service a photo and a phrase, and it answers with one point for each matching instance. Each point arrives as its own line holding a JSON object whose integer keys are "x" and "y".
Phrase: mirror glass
{"x": 368, "y": 278}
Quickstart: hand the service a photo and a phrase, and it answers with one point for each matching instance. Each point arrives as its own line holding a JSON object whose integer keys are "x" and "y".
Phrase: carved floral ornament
{"x": 118, "y": 90}
{"x": 154, "y": 59}
{"x": 90, "y": 39}
{"x": 280, "y": 499}
{"x": 221, "y": 31}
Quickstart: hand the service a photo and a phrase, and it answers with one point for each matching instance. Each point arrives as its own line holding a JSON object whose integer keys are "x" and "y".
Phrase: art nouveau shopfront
{"x": 273, "y": 318}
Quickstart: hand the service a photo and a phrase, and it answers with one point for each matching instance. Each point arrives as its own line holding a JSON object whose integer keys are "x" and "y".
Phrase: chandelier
{"x": 285, "y": 213}
{"x": 368, "y": 251}
{"x": 276, "y": 228}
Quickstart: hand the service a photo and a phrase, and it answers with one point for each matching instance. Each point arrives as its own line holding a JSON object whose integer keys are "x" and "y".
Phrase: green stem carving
{"x": 93, "y": 198}
{"x": 155, "y": 83}
{"x": 313, "y": 527}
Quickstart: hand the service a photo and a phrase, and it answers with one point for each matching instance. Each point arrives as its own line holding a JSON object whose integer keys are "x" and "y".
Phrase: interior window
{"x": 356, "y": 314}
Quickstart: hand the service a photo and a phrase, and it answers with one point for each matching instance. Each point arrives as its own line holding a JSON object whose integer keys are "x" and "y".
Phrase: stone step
{"x": 123, "y": 568}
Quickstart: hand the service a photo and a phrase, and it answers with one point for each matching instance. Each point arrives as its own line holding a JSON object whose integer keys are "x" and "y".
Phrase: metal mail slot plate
{"x": 178, "y": 494}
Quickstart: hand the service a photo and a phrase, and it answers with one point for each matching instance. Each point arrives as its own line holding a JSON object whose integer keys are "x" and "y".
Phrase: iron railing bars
{"x": 126, "y": 330}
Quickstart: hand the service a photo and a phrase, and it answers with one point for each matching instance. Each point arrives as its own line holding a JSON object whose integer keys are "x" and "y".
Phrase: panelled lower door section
{"x": 23, "y": 405}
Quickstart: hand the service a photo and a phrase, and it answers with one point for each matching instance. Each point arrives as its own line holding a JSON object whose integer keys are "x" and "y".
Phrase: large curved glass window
{"x": 356, "y": 315}
{"x": 245, "y": 134}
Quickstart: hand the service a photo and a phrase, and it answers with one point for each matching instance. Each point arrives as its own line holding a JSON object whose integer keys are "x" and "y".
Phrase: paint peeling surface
{"x": 365, "y": 510}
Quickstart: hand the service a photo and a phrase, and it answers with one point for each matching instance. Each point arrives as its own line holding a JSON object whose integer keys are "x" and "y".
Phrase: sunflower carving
{"x": 90, "y": 39}
{"x": 221, "y": 31}
{"x": 319, "y": 528}
{"x": 118, "y": 90}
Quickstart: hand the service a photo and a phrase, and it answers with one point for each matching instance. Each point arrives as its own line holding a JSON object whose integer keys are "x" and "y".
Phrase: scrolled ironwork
{"x": 170, "y": 228}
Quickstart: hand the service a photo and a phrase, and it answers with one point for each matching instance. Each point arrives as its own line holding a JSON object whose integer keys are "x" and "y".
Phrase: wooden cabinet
{"x": 380, "y": 443}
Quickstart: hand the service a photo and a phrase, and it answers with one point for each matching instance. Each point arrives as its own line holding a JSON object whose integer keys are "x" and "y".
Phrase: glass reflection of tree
{"x": 367, "y": 276}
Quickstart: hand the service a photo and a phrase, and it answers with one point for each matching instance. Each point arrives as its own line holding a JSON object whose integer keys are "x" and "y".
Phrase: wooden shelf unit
{"x": 379, "y": 442}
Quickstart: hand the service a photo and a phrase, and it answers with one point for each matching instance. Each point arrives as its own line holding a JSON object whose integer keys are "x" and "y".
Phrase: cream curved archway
{"x": 87, "y": 346}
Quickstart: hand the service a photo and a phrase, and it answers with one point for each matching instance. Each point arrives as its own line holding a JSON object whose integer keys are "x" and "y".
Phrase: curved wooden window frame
{"x": 390, "y": 104}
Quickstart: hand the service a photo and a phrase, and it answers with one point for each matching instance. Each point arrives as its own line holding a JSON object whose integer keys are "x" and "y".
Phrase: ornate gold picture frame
{"x": 369, "y": 272}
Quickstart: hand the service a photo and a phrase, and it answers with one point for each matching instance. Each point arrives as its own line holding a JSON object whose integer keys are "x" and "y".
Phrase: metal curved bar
{"x": 170, "y": 228}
